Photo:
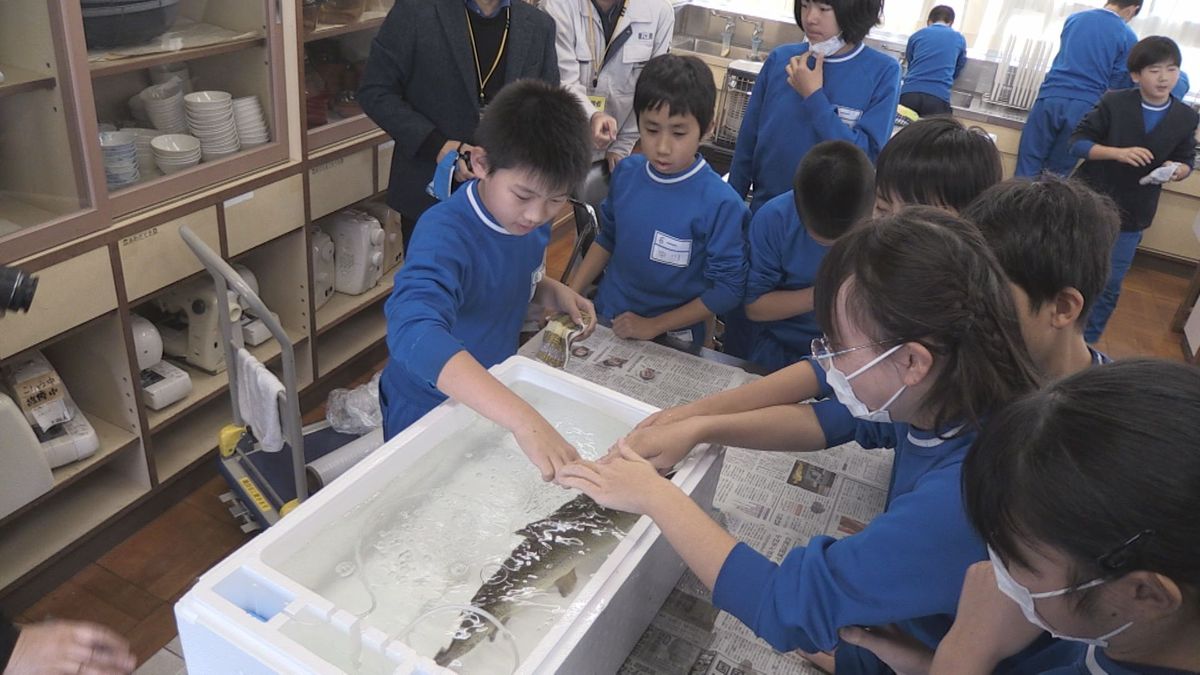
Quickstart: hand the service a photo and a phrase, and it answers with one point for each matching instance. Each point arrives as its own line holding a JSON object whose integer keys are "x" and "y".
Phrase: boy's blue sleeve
{"x": 962, "y": 57}
{"x": 424, "y": 303}
{"x": 725, "y": 266}
{"x": 766, "y": 267}
{"x": 909, "y": 562}
{"x": 908, "y": 50}
{"x": 874, "y": 128}
{"x": 741, "y": 169}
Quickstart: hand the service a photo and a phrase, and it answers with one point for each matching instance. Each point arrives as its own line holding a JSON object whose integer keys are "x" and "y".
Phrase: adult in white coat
{"x": 602, "y": 46}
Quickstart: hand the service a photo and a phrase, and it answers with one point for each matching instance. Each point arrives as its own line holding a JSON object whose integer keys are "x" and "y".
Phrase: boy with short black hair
{"x": 1133, "y": 142}
{"x": 478, "y": 261}
{"x": 670, "y": 240}
{"x": 1053, "y": 238}
{"x": 935, "y": 56}
{"x": 935, "y": 162}
{"x": 834, "y": 188}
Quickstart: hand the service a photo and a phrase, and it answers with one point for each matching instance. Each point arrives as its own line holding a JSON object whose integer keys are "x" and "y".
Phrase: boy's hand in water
{"x": 624, "y": 482}
{"x": 546, "y": 448}
{"x": 663, "y": 445}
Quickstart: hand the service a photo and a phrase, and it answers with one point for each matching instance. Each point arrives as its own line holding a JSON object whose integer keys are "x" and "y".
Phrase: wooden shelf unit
{"x": 18, "y": 80}
{"x": 118, "y": 66}
{"x": 351, "y": 337}
{"x": 324, "y": 31}
{"x": 58, "y": 522}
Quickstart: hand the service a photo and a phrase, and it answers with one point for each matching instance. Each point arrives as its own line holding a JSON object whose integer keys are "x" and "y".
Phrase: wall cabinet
{"x": 107, "y": 253}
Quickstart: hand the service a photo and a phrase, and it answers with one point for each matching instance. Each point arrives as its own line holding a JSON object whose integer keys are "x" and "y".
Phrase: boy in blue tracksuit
{"x": 935, "y": 56}
{"x": 789, "y": 237}
{"x": 477, "y": 262}
{"x": 670, "y": 236}
{"x": 1091, "y": 60}
{"x": 831, "y": 87}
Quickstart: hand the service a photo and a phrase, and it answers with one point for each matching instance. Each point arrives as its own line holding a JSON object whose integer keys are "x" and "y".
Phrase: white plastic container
{"x": 247, "y": 616}
{"x": 358, "y": 239}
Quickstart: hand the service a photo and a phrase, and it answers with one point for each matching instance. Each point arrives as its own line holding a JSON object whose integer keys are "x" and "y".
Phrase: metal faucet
{"x": 756, "y": 39}
{"x": 727, "y": 33}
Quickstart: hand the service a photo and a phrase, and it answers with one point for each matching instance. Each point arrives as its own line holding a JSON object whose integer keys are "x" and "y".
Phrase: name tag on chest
{"x": 668, "y": 250}
{"x": 535, "y": 279}
{"x": 849, "y": 116}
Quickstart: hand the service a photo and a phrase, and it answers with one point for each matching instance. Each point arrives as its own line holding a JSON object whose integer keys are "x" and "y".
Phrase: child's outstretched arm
{"x": 780, "y": 305}
{"x": 782, "y": 428}
{"x": 464, "y": 379}
{"x": 593, "y": 264}
{"x": 629, "y": 483}
{"x": 793, "y": 384}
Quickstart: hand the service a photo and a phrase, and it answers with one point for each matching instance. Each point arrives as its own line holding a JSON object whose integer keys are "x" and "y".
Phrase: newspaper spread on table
{"x": 772, "y": 501}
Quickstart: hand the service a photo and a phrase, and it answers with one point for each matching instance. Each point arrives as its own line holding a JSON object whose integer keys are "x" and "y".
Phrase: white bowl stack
{"x": 164, "y": 106}
{"x": 120, "y": 158}
{"x": 145, "y": 154}
{"x": 210, "y": 119}
{"x": 175, "y": 152}
{"x": 250, "y": 122}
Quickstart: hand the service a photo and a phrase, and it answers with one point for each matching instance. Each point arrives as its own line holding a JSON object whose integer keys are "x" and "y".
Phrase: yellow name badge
{"x": 598, "y": 102}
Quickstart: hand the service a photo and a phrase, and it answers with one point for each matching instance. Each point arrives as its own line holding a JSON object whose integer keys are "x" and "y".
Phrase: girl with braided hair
{"x": 922, "y": 344}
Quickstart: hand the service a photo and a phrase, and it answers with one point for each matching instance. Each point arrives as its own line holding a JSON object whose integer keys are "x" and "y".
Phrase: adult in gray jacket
{"x": 434, "y": 66}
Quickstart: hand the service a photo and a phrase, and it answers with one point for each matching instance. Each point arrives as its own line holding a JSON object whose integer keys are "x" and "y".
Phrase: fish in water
{"x": 546, "y": 558}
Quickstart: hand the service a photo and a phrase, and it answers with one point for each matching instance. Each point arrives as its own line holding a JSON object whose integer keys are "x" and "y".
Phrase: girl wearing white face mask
{"x": 1086, "y": 493}
{"x": 829, "y": 87}
{"x": 923, "y": 343}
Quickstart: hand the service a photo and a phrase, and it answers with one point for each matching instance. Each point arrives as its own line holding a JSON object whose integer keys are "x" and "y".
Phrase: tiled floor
{"x": 133, "y": 588}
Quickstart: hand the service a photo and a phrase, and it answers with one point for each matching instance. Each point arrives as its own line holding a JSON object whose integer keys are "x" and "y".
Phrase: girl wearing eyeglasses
{"x": 1087, "y": 495}
{"x": 922, "y": 344}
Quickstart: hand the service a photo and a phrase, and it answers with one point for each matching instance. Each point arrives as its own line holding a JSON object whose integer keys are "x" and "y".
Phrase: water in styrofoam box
{"x": 444, "y": 526}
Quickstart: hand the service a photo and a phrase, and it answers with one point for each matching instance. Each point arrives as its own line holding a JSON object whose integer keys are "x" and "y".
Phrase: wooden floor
{"x": 134, "y": 586}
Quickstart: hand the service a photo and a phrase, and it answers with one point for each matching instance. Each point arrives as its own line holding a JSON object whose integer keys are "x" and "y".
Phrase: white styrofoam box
{"x": 247, "y": 616}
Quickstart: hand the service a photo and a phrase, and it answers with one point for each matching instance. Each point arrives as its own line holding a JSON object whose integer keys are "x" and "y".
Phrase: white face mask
{"x": 1024, "y": 599}
{"x": 828, "y": 47}
{"x": 840, "y": 382}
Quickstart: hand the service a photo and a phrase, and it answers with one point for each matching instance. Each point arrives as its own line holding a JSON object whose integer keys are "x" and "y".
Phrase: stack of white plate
{"x": 164, "y": 106}
{"x": 145, "y": 154}
{"x": 251, "y": 125}
{"x": 175, "y": 152}
{"x": 120, "y": 158}
{"x": 210, "y": 119}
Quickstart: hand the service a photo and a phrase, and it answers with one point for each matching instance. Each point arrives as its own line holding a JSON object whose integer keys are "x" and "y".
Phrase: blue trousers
{"x": 1102, "y": 309}
{"x": 1045, "y": 140}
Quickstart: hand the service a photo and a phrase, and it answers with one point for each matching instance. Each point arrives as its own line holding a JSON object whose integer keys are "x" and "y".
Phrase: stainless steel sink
{"x": 688, "y": 43}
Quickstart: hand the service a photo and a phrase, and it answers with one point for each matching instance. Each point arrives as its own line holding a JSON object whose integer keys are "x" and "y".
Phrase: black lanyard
{"x": 484, "y": 79}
